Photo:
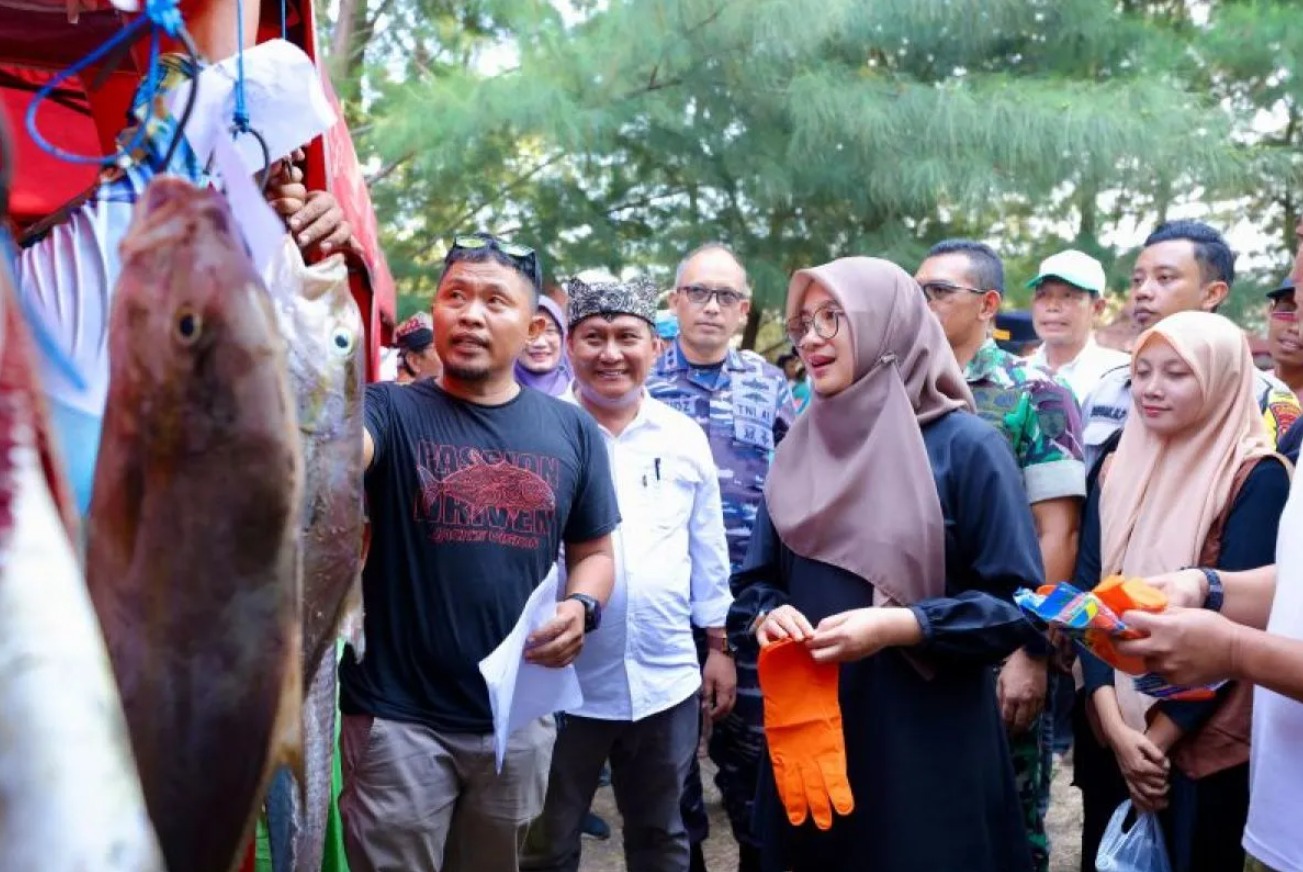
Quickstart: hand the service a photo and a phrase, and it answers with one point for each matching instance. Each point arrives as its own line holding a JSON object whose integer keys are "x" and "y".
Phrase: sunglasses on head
{"x": 522, "y": 257}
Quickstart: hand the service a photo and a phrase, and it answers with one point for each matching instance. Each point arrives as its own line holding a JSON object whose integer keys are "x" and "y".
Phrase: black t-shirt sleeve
{"x": 595, "y": 511}
{"x": 377, "y": 410}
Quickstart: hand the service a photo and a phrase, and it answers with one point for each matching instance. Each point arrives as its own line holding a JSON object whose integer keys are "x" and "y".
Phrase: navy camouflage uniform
{"x": 746, "y": 407}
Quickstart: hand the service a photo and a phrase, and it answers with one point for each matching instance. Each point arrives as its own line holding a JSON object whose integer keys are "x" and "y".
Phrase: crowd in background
{"x": 809, "y": 568}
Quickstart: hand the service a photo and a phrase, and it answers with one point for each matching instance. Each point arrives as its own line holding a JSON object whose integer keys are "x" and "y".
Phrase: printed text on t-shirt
{"x": 479, "y": 495}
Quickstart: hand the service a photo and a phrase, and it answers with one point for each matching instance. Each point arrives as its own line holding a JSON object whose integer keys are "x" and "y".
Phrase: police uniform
{"x": 1038, "y": 415}
{"x": 745, "y": 406}
{"x": 1107, "y": 407}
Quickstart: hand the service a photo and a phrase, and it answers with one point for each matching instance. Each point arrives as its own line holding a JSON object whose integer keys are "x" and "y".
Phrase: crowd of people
{"x": 823, "y": 594}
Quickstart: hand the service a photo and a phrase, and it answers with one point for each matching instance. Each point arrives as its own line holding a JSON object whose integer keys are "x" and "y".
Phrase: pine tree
{"x": 795, "y": 131}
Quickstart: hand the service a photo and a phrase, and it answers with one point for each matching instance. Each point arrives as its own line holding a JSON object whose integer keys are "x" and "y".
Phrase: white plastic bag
{"x": 1139, "y": 849}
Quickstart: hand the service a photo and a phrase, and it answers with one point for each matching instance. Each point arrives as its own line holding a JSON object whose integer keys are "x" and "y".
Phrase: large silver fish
{"x": 323, "y": 333}
{"x": 70, "y": 800}
{"x": 193, "y": 561}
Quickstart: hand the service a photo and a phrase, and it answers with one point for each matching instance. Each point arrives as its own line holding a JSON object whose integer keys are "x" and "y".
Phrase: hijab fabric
{"x": 555, "y": 381}
{"x": 1163, "y": 494}
{"x": 851, "y": 484}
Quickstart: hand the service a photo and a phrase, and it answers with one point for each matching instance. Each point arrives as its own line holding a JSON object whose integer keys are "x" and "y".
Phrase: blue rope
{"x": 241, "y": 108}
{"x": 161, "y": 16}
{"x": 285, "y": 20}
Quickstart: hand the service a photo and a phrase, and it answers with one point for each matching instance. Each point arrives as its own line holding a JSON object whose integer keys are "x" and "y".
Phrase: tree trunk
{"x": 348, "y": 44}
{"x": 752, "y": 329}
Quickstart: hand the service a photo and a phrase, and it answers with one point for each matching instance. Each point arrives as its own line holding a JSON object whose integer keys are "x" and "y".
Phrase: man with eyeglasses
{"x": 744, "y": 405}
{"x": 964, "y": 284}
{"x": 472, "y": 484}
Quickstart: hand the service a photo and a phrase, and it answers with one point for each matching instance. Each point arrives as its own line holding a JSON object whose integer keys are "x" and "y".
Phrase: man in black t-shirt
{"x": 473, "y": 483}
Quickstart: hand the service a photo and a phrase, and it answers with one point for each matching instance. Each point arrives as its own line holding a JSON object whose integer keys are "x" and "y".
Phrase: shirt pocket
{"x": 668, "y": 493}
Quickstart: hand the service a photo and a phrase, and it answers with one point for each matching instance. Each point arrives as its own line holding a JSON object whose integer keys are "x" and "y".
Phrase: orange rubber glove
{"x": 1123, "y": 595}
{"x": 803, "y": 726}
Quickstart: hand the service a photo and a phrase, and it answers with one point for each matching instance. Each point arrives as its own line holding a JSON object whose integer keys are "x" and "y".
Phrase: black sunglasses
{"x": 522, "y": 257}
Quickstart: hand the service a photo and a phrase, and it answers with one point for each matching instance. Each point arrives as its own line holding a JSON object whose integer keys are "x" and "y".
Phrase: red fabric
{"x": 43, "y": 183}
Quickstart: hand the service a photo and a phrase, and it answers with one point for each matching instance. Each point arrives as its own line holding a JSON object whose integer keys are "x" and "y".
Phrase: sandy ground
{"x": 721, "y": 853}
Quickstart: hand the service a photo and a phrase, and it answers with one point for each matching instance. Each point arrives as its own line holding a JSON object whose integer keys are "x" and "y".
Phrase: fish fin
{"x": 287, "y": 732}
{"x": 352, "y": 624}
{"x": 284, "y": 819}
{"x": 431, "y": 488}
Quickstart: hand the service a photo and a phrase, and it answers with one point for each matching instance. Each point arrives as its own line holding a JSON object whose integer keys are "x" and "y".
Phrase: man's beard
{"x": 467, "y": 373}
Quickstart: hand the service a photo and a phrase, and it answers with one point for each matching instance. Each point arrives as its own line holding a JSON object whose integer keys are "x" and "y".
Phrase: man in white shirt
{"x": 643, "y": 690}
{"x": 1068, "y": 298}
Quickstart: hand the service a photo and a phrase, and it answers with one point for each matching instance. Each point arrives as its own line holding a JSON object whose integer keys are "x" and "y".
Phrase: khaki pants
{"x": 1252, "y": 865}
{"x": 416, "y": 800}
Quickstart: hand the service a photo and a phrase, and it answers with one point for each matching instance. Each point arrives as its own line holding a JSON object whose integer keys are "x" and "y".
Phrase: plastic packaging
{"x": 1139, "y": 849}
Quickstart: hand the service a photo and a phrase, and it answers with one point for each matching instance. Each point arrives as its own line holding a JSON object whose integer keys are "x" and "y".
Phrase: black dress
{"x": 927, "y": 759}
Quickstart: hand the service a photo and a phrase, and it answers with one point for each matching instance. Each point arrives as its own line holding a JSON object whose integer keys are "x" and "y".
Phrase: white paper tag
{"x": 260, "y": 226}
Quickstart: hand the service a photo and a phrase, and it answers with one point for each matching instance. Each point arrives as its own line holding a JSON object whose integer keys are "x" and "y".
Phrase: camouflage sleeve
{"x": 1050, "y": 446}
{"x": 786, "y": 412}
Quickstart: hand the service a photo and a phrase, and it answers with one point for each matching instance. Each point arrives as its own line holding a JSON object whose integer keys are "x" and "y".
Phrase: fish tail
{"x": 431, "y": 488}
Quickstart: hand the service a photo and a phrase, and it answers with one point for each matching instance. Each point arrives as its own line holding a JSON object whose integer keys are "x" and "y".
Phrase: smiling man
{"x": 472, "y": 484}
{"x": 1184, "y": 266}
{"x": 643, "y": 689}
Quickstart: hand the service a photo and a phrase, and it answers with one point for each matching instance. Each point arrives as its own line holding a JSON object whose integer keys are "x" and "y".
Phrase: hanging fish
{"x": 70, "y": 799}
{"x": 193, "y": 561}
{"x": 322, "y": 329}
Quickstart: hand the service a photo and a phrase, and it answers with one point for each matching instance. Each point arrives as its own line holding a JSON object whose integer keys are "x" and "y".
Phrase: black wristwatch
{"x": 1216, "y": 591}
{"x": 592, "y": 610}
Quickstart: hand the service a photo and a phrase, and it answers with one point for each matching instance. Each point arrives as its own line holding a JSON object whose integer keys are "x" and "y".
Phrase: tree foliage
{"x": 620, "y": 135}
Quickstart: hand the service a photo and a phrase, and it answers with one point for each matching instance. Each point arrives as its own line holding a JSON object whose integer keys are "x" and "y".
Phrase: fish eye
{"x": 188, "y": 325}
{"x": 342, "y": 341}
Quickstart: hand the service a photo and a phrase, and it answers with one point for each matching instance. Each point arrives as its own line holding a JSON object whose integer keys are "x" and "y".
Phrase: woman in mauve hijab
{"x": 543, "y": 365}
{"x": 893, "y": 534}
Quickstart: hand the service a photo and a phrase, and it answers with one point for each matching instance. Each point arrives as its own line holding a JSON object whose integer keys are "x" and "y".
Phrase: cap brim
{"x": 1043, "y": 276}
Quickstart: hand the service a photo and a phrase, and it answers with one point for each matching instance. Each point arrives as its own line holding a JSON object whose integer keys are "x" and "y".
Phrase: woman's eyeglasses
{"x": 825, "y": 320}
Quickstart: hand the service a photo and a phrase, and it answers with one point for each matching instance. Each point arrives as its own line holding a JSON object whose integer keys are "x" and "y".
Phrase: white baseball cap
{"x": 1074, "y": 267}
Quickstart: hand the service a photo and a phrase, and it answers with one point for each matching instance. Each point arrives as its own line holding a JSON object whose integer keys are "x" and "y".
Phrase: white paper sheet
{"x": 521, "y": 692}
{"x": 283, "y": 95}
{"x": 261, "y": 229}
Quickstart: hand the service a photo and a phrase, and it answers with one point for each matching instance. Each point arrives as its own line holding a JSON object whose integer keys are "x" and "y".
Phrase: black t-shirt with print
{"x": 468, "y": 505}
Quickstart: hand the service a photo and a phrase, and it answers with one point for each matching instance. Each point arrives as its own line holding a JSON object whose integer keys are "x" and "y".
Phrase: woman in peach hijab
{"x": 888, "y": 491}
{"x": 1194, "y": 482}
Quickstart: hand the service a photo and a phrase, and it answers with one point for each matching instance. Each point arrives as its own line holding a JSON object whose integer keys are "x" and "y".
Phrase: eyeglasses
{"x": 523, "y": 257}
{"x": 1284, "y": 309}
{"x": 699, "y": 295}
{"x": 935, "y": 291}
{"x": 825, "y": 321}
